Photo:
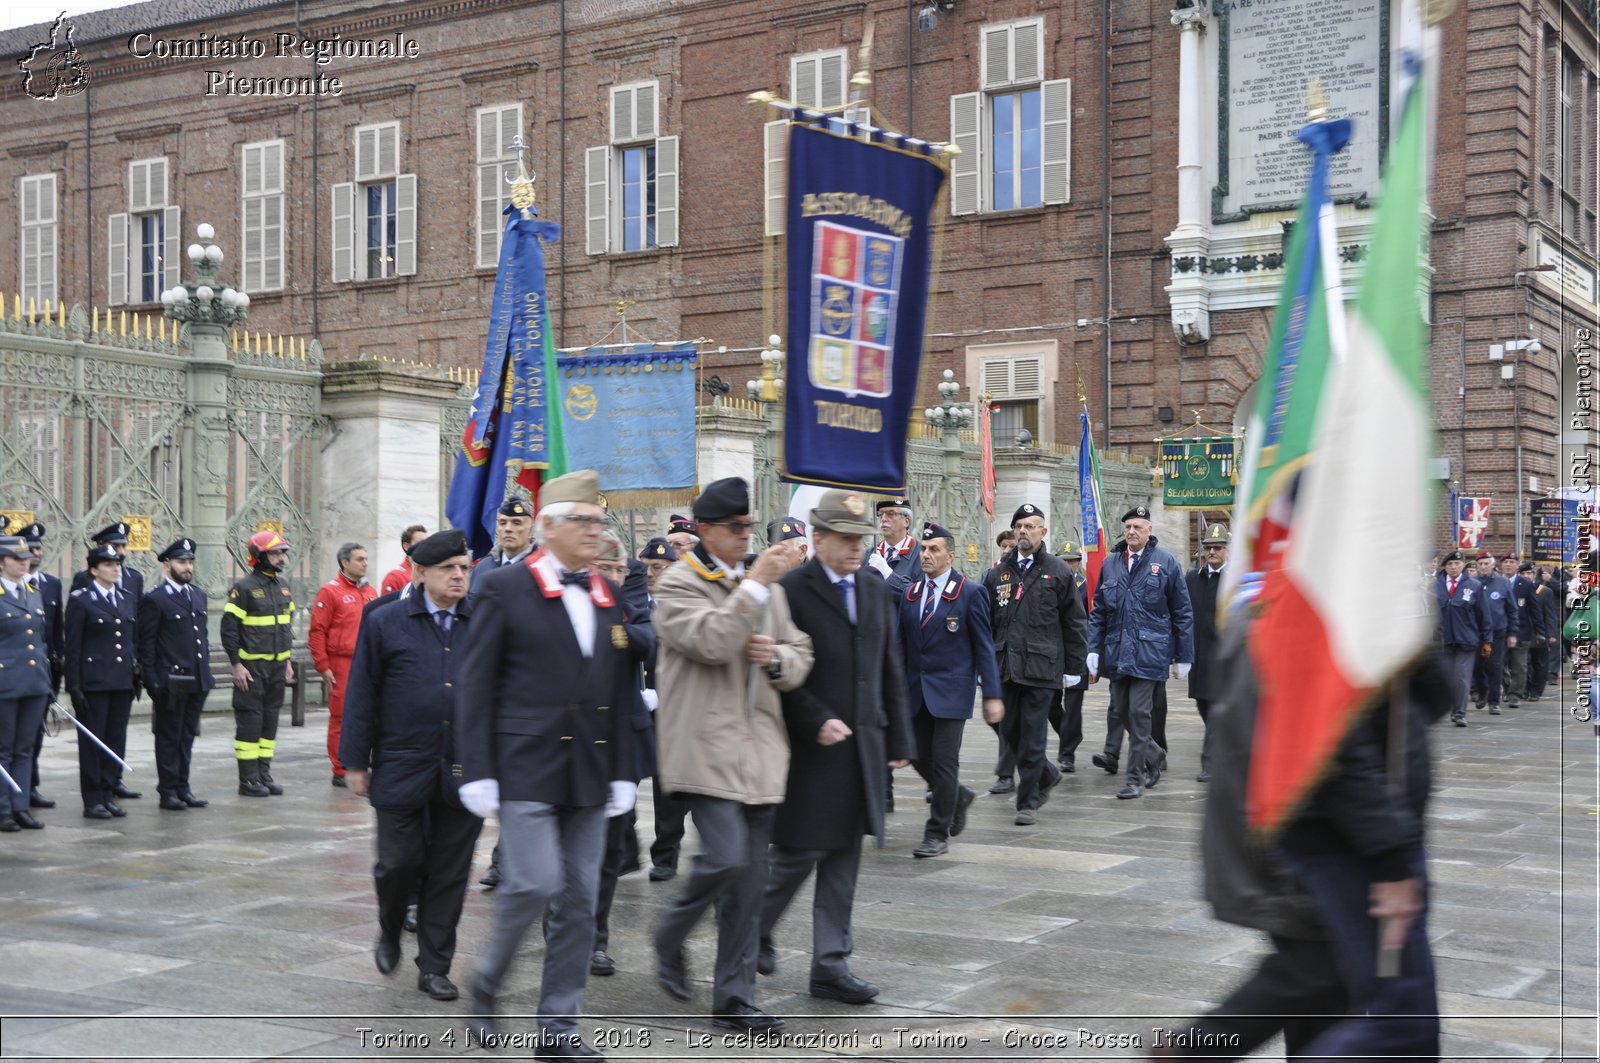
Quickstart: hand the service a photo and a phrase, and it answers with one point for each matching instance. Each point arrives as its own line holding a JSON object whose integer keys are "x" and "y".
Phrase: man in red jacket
{"x": 399, "y": 577}
{"x": 335, "y": 619}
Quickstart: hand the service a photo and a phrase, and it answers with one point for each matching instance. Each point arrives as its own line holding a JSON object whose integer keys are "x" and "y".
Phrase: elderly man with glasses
{"x": 1204, "y": 582}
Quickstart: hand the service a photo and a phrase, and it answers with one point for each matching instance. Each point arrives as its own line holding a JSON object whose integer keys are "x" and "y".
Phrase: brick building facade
{"x": 366, "y": 213}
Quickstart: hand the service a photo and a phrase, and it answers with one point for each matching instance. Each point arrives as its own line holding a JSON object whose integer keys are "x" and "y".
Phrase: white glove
{"x": 1094, "y": 664}
{"x": 651, "y": 700}
{"x": 879, "y": 565}
{"x": 481, "y": 797}
{"x": 1181, "y": 670}
{"x": 623, "y": 795}
{"x": 1070, "y": 681}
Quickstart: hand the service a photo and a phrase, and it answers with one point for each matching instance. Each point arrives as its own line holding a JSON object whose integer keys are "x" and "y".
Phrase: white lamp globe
{"x": 204, "y": 293}
{"x": 204, "y": 231}
{"x": 213, "y": 254}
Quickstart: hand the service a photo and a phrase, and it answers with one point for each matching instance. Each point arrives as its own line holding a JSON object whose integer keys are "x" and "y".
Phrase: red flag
{"x": 986, "y": 453}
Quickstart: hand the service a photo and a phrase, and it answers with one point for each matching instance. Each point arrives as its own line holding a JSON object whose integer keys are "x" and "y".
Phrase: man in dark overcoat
{"x": 544, "y": 731}
{"x": 175, "y": 660}
{"x": 846, "y": 723}
{"x": 1205, "y": 581}
{"x": 397, "y": 751}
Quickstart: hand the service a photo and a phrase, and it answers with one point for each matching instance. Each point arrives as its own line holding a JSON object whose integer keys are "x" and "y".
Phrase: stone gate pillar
{"x": 209, "y": 372}
{"x": 1021, "y": 476}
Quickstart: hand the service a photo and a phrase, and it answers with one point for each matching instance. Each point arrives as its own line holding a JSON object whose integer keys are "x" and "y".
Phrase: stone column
{"x": 208, "y": 442}
{"x": 1191, "y": 240}
{"x": 380, "y": 463}
{"x": 1021, "y": 476}
{"x": 726, "y": 444}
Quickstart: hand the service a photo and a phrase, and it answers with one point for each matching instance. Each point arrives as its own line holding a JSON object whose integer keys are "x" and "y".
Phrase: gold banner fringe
{"x": 647, "y": 498}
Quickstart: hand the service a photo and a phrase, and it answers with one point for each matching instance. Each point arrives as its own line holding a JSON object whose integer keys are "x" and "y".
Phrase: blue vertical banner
{"x": 860, "y": 248}
{"x": 629, "y": 415}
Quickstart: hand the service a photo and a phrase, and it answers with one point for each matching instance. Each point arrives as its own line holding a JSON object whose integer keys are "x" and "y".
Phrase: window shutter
{"x": 490, "y": 223}
{"x": 803, "y": 80}
{"x": 488, "y": 135}
{"x": 30, "y": 201}
{"x": 117, "y": 259}
{"x": 253, "y": 240}
{"x": 1027, "y": 53}
{"x": 995, "y": 47}
{"x": 966, "y": 169}
{"x": 172, "y": 247}
{"x": 1552, "y": 102}
{"x": 510, "y": 126}
{"x": 775, "y": 136}
{"x": 1027, "y": 376}
{"x": 622, "y": 115}
{"x": 389, "y": 150}
{"x": 645, "y": 115}
{"x": 344, "y": 231}
{"x": 158, "y": 183}
{"x": 252, "y": 169}
{"x": 47, "y": 198}
{"x": 272, "y": 243}
{"x": 831, "y": 77}
{"x": 405, "y": 225}
{"x": 996, "y": 376}
{"x": 667, "y": 192}
{"x": 377, "y": 152}
{"x": 597, "y": 175}
{"x": 1055, "y": 140}
{"x": 138, "y": 187}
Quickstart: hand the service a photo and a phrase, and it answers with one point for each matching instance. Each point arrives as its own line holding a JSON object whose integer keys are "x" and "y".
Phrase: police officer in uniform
{"x": 257, "y": 636}
{"x": 130, "y": 584}
{"x": 24, "y": 680}
{"x": 1464, "y": 627}
{"x": 101, "y": 648}
{"x": 175, "y": 660}
{"x": 513, "y": 535}
{"x": 54, "y": 597}
{"x": 1205, "y": 582}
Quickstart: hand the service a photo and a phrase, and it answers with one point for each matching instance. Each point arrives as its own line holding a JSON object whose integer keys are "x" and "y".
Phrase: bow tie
{"x": 576, "y": 578}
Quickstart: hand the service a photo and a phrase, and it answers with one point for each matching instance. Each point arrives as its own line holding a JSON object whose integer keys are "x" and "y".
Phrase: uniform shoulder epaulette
{"x": 80, "y": 590}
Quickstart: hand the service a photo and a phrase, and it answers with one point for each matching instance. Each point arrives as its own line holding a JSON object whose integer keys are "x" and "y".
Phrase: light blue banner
{"x": 629, "y": 415}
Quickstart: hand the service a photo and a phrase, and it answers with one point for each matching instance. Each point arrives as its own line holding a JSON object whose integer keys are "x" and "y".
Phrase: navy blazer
{"x": 101, "y": 641}
{"x": 172, "y": 637}
{"x": 24, "y": 657}
{"x": 1464, "y": 616}
{"x": 951, "y": 651}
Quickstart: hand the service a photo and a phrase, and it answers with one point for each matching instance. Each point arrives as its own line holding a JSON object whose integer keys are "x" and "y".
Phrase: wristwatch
{"x": 775, "y": 670}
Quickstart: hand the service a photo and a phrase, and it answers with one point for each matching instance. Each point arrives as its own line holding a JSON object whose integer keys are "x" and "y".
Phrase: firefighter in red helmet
{"x": 257, "y": 635}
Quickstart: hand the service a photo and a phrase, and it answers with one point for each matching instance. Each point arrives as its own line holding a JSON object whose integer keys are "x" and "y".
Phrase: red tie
{"x": 1452, "y": 589}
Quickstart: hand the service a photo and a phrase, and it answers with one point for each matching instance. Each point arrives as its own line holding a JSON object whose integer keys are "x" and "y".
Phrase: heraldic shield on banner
{"x": 855, "y": 283}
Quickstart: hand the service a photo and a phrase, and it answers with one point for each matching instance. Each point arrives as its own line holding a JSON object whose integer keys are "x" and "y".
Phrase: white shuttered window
{"x": 820, "y": 79}
{"x": 37, "y": 201}
{"x": 261, "y": 191}
{"x": 142, "y": 248}
{"x": 631, "y": 188}
{"x": 497, "y": 168}
{"x": 1015, "y": 135}
{"x": 375, "y": 216}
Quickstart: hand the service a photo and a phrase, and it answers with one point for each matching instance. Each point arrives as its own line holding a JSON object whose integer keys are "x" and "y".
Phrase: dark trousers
{"x": 939, "y": 763}
{"x": 1296, "y": 990}
{"x": 105, "y": 713}
{"x": 38, "y": 750}
{"x": 1024, "y": 730}
{"x": 1132, "y": 704}
{"x": 1516, "y": 672}
{"x": 1203, "y": 706}
{"x": 1158, "y": 720}
{"x": 731, "y": 871}
{"x": 1066, "y": 720}
{"x": 1486, "y": 672}
{"x": 176, "y": 721}
{"x": 622, "y": 858}
{"x": 832, "y": 902}
{"x": 1538, "y": 669}
{"x": 256, "y": 708}
{"x": 1459, "y": 660}
{"x": 20, "y": 719}
{"x": 670, "y": 813}
{"x": 426, "y": 852}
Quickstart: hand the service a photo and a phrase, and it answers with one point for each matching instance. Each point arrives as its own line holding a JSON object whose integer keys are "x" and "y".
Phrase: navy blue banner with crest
{"x": 860, "y": 247}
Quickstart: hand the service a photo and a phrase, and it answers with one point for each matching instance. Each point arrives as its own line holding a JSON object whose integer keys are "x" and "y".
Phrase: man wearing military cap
{"x": 1037, "y": 616}
{"x": 101, "y": 646}
{"x": 897, "y": 557}
{"x": 24, "y": 680}
{"x": 1501, "y": 604}
{"x": 657, "y": 555}
{"x": 53, "y": 595}
{"x": 513, "y": 538}
{"x": 682, "y": 535}
{"x": 726, "y": 648}
{"x": 1140, "y": 629}
{"x": 1463, "y": 626}
{"x": 1205, "y": 583}
{"x": 175, "y": 660}
{"x": 789, "y": 530}
{"x": 544, "y": 732}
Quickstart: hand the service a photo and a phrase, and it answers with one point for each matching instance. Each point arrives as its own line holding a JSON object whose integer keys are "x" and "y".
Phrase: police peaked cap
{"x": 99, "y": 555}
{"x": 34, "y": 533}
{"x": 1138, "y": 512}
{"x": 113, "y": 535}
{"x": 930, "y": 530}
{"x": 439, "y": 547}
{"x": 784, "y": 529}
{"x": 1027, "y": 509}
{"x": 728, "y": 497}
{"x": 178, "y": 551}
{"x": 658, "y": 549}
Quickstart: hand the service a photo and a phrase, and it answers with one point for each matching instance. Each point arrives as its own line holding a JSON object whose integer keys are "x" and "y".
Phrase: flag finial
{"x": 522, "y": 195}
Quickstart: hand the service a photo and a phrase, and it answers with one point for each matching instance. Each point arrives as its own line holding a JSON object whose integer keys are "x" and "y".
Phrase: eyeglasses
{"x": 1213, "y": 546}
{"x": 738, "y": 526}
{"x": 584, "y": 520}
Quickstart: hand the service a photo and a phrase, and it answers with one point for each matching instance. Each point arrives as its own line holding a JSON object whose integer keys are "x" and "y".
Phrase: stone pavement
{"x": 245, "y": 930}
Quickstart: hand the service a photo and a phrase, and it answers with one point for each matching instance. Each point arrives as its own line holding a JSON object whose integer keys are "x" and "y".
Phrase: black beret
{"x": 440, "y": 547}
{"x": 1027, "y": 509}
{"x": 113, "y": 534}
{"x": 1454, "y": 555}
{"x": 1526, "y": 566}
{"x": 729, "y": 497}
{"x": 931, "y": 530}
{"x": 511, "y": 507}
{"x": 658, "y": 549}
{"x": 676, "y": 524}
{"x": 893, "y": 503}
{"x": 34, "y": 533}
{"x": 182, "y": 548}
{"x": 1137, "y": 512}
{"x": 99, "y": 555}
{"x": 784, "y": 529}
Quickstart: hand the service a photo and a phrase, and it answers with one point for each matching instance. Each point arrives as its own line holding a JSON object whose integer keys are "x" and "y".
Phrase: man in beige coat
{"x": 725, "y": 649}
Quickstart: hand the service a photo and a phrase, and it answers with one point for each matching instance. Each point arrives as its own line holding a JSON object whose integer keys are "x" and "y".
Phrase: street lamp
{"x": 206, "y": 300}
{"x": 949, "y": 417}
{"x": 769, "y": 388}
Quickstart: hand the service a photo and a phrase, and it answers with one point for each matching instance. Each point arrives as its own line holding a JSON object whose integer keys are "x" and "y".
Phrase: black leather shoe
{"x": 601, "y": 963}
{"x": 437, "y": 986}
{"x": 846, "y": 990}
{"x": 958, "y": 822}
{"x": 553, "y": 1049}
{"x": 386, "y": 955}
{"x": 481, "y": 1024}
{"x": 1153, "y": 776}
{"x": 491, "y": 877}
{"x": 1460, "y": 721}
{"x": 115, "y": 810}
{"x": 38, "y": 800}
{"x": 8, "y": 825}
{"x": 410, "y": 923}
{"x": 96, "y": 812}
{"x": 188, "y": 798}
{"x": 171, "y": 803}
{"x": 1129, "y": 792}
{"x": 26, "y": 821}
{"x": 1047, "y": 782}
{"x": 766, "y": 958}
{"x": 338, "y": 780}
{"x": 1108, "y": 764}
{"x": 738, "y": 1015}
{"x": 672, "y": 975}
{"x": 662, "y": 872}
{"x": 1066, "y": 765}
{"x": 123, "y": 792}
{"x": 931, "y": 847}
{"x": 1002, "y": 786}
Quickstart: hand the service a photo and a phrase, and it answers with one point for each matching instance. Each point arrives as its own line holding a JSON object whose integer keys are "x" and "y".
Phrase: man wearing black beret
{"x": 789, "y": 530}
{"x": 1464, "y": 626}
{"x": 513, "y": 538}
{"x": 175, "y": 660}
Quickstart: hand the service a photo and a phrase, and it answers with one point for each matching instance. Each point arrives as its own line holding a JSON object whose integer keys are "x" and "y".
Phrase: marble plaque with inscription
{"x": 1273, "y": 49}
